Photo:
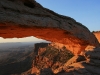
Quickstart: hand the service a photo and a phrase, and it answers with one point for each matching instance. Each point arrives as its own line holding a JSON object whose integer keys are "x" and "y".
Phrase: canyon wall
{"x": 51, "y": 59}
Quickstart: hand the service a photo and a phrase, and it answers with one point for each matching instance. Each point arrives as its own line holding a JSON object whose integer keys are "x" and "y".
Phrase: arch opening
{"x": 59, "y": 36}
{"x": 23, "y": 39}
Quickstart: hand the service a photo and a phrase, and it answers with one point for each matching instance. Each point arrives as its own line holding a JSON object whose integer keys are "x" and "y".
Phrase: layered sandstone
{"x": 90, "y": 66}
{"x": 21, "y": 18}
{"x": 97, "y": 34}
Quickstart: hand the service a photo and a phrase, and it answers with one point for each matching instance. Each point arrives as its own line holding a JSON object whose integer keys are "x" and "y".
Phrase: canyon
{"x": 22, "y": 18}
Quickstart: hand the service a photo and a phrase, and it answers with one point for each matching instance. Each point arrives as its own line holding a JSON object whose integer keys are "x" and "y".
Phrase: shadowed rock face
{"x": 21, "y": 18}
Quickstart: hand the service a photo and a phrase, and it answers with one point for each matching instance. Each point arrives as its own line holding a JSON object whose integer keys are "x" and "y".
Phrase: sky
{"x": 86, "y": 12}
{"x": 25, "y": 39}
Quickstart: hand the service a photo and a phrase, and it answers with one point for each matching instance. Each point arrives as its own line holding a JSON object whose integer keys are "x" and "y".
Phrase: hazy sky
{"x": 26, "y": 39}
{"x": 86, "y": 12}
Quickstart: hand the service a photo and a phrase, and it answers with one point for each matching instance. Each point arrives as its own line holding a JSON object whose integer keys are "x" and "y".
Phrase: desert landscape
{"x": 73, "y": 48}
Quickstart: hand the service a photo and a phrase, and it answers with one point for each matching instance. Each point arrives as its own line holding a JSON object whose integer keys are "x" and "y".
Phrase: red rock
{"x": 97, "y": 34}
{"x": 22, "y": 18}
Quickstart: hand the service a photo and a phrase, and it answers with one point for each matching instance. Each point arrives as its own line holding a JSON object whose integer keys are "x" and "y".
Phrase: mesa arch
{"x": 61, "y": 37}
{"x": 20, "y": 19}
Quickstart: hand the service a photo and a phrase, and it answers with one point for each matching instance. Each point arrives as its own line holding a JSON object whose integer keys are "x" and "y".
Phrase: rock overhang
{"x": 22, "y": 18}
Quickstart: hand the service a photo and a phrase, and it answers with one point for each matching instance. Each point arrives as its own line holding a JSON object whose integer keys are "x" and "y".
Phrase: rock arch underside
{"x": 22, "y": 18}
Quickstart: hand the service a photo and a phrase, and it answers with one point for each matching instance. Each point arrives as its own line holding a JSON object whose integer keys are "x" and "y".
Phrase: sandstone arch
{"x": 19, "y": 20}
